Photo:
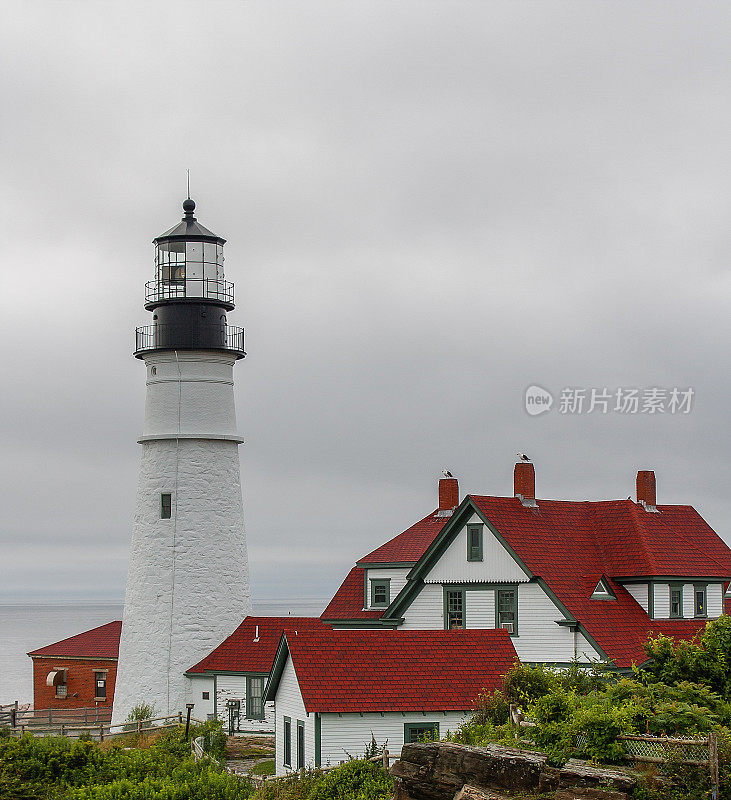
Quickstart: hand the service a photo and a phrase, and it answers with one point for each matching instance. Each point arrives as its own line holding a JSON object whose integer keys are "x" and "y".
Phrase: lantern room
{"x": 188, "y": 263}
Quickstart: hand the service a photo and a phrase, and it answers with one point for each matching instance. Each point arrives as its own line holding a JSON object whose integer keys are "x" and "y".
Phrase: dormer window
{"x": 380, "y": 592}
{"x": 602, "y": 591}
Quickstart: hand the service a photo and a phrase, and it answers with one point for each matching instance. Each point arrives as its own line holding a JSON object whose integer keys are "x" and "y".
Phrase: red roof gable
{"x": 240, "y": 653}
{"x": 101, "y": 642}
{"x": 571, "y": 545}
{"x": 380, "y": 670}
{"x": 410, "y": 545}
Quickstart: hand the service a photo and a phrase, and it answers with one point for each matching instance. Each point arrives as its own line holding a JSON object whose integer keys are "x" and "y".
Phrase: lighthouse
{"x": 188, "y": 580}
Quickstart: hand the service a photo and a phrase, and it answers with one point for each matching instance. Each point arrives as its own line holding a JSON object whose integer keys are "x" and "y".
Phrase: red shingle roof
{"x": 571, "y": 545}
{"x": 101, "y": 642}
{"x": 410, "y": 545}
{"x": 375, "y": 670}
{"x": 240, "y": 653}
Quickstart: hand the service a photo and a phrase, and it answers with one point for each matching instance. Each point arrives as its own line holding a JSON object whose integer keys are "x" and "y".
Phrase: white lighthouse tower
{"x": 188, "y": 580}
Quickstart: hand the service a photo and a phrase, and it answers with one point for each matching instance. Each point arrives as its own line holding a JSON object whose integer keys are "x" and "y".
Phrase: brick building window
{"x": 100, "y": 685}
{"x": 61, "y": 685}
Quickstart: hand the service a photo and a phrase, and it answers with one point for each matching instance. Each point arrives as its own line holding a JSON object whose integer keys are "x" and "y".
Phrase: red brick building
{"x": 78, "y": 672}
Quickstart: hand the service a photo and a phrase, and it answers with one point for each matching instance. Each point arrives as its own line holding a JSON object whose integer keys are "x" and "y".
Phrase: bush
{"x": 491, "y": 707}
{"x": 355, "y": 780}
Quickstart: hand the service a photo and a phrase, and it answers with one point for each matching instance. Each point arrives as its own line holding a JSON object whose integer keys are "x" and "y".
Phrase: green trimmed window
{"x": 454, "y": 609}
{"x": 474, "y": 542}
{"x": 380, "y": 592}
{"x": 676, "y": 600}
{"x": 699, "y": 603}
{"x": 300, "y": 744}
{"x": 254, "y": 698}
{"x": 421, "y": 732}
{"x": 506, "y": 609}
{"x": 287, "y": 742}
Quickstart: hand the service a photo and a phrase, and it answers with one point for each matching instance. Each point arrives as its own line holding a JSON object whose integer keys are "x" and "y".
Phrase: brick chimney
{"x": 646, "y": 489}
{"x": 524, "y": 483}
{"x": 448, "y": 494}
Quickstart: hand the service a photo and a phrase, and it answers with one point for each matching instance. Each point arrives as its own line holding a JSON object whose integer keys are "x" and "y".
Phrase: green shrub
{"x": 355, "y": 780}
{"x": 491, "y": 707}
{"x": 524, "y": 684}
{"x": 600, "y": 726}
{"x": 556, "y": 706}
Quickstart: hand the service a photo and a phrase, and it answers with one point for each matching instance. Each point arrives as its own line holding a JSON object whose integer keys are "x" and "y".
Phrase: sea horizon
{"x": 29, "y": 624}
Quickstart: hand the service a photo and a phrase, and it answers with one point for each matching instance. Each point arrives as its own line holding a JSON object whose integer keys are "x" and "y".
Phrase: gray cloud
{"x": 429, "y": 207}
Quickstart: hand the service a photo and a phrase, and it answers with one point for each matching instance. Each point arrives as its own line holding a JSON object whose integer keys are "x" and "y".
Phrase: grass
{"x": 263, "y": 767}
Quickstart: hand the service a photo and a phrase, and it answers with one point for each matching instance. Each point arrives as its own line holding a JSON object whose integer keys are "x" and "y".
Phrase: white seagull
{"x": 522, "y": 456}
{"x": 447, "y": 473}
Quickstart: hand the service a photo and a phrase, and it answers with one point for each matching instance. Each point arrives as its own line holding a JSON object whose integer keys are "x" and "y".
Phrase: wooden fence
{"x": 104, "y": 731}
{"x": 12, "y": 717}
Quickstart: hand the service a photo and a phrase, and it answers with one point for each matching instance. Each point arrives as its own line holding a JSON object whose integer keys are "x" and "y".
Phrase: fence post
{"x": 713, "y": 763}
{"x": 63, "y": 729}
{"x": 139, "y": 727}
{"x": 101, "y": 733}
{"x": 50, "y": 716}
{"x": 180, "y": 717}
{"x": 385, "y": 759}
{"x": 86, "y": 715}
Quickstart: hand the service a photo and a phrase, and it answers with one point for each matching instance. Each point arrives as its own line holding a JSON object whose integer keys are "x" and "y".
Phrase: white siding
{"x": 426, "y": 612}
{"x": 351, "y": 733}
{"x": 288, "y": 703}
{"x": 661, "y": 606}
{"x": 688, "y": 601}
{"x": 539, "y": 638}
{"x": 194, "y": 688}
{"x": 714, "y": 599}
{"x": 480, "y": 607}
{"x": 584, "y": 651}
{"x": 397, "y": 576}
{"x": 233, "y": 687}
{"x": 639, "y": 592}
{"x": 496, "y": 565}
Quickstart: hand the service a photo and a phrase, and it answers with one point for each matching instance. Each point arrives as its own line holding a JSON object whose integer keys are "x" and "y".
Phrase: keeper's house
{"x": 78, "y": 672}
{"x": 336, "y": 691}
{"x": 566, "y": 580}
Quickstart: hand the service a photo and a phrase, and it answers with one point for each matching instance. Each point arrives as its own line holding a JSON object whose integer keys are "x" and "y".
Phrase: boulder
{"x": 438, "y": 770}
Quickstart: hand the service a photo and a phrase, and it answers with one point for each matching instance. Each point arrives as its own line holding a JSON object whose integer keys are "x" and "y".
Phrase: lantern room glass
{"x": 192, "y": 268}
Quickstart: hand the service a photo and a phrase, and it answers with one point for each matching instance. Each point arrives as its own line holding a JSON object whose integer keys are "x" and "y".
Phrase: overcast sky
{"x": 429, "y": 207}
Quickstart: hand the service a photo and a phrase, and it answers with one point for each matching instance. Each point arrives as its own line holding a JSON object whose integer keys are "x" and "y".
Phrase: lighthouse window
{"x": 166, "y": 506}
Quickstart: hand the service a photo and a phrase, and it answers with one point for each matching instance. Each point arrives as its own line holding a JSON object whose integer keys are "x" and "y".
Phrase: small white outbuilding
{"x": 335, "y": 691}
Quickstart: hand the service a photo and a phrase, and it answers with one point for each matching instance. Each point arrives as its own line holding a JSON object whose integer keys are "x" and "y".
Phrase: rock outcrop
{"x": 449, "y": 771}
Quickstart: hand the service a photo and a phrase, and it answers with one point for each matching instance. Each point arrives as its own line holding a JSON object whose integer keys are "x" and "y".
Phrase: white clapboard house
{"x": 567, "y": 580}
{"x": 559, "y": 581}
{"x": 336, "y": 691}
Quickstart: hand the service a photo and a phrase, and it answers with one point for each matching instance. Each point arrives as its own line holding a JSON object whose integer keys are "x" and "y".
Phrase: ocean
{"x": 27, "y": 627}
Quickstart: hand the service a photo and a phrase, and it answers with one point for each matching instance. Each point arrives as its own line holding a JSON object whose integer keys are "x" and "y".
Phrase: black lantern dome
{"x": 189, "y": 297}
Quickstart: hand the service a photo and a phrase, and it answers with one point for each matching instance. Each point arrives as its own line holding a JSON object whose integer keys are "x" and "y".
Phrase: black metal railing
{"x": 186, "y": 337}
{"x": 209, "y": 288}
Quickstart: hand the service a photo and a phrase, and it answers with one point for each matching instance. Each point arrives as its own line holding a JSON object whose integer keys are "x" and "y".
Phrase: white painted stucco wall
{"x": 188, "y": 577}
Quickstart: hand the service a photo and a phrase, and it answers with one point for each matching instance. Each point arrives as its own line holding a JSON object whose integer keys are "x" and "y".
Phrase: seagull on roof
{"x": 522, "y": 456}
{"x": 447, "y": 473}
